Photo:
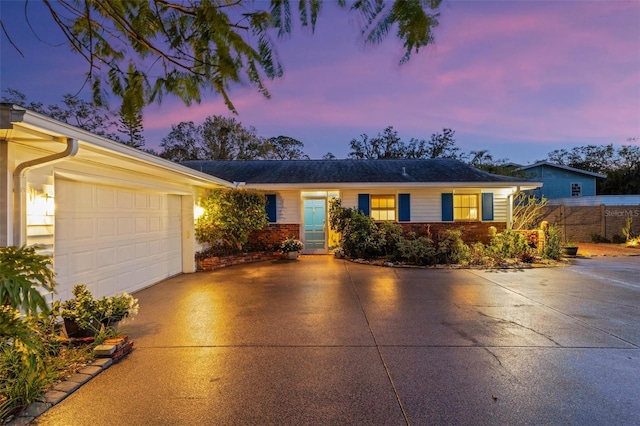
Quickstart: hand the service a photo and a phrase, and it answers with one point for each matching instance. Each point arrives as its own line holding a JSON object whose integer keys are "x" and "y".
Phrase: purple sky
{"x": 519, "y": 78}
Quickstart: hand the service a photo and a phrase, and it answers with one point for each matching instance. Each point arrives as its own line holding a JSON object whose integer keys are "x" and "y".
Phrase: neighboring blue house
{"x": 562, "y": 181}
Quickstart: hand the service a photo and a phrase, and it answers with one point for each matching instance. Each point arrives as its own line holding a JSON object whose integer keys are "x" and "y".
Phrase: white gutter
{"x": 20, "y": 187}
{"x": 101, "y": 144}
{"x": 357, "y": 185}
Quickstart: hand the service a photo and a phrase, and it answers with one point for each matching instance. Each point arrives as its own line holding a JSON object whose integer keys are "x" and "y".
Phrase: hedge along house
{"x": 440, "y": 193}
{"x": 113, "y": 217}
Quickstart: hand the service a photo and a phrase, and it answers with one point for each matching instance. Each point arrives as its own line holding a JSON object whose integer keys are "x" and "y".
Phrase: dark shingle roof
{"x": 559, "y": 166}
{"x": 346, "y": 171}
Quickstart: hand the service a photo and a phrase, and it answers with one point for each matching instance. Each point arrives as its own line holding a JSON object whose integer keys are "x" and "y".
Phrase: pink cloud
{"x": 516, "y": 71}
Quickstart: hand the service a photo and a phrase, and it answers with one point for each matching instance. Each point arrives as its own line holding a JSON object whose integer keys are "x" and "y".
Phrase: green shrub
{"x": 477, "y": 254}
{"x": 597, "y": 238}
{"x": 23, "y": 273}
{"x": 553, "y": 243}
{"x": 21, "y": 382}
{"x": 508, "y": 245}
{"x": 451, "y": 249}
{"x": 33, "y": 358}
{"x": 26, "y": 345}
{"x": 360, "y": 237}
{"x": 363, "y": 238}
{"x": 229, "y": 216}
{"x": 23, "y": 340}
{"x": 618, "y": 239}
{"x": 416, "y": 250}
{"x": 392, "y": 233}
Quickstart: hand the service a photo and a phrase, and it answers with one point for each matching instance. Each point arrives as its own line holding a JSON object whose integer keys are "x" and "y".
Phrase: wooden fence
{"x": 582, "y": 223}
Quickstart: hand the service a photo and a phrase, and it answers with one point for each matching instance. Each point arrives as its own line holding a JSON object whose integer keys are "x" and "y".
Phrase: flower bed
{"x": 217, "y": 262}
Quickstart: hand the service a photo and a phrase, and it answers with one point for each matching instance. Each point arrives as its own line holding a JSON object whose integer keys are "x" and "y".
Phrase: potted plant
{"x": 569, "y": 249}
{"x": 114, "y": 309}
{"x": 84, "y": 316}
{"x": 80, "y": 313}
{"x": 291, "y": 246}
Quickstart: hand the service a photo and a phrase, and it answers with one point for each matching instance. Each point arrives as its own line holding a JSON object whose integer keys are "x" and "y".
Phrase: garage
{"x": 112, "y": 217}
{"x": 114, "y": 239}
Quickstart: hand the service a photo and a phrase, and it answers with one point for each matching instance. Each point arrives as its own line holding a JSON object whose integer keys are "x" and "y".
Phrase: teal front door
{"x": 314, "y": 225}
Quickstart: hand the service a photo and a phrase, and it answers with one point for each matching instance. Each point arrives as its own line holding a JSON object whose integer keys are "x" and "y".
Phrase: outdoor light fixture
{"x": 197, "y": 211}
{"x": 40, "y": 208}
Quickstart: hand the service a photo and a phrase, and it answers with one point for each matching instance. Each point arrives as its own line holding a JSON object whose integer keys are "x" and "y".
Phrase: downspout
{"x": 511, "y": 207}
{"x": 20, "y": 187}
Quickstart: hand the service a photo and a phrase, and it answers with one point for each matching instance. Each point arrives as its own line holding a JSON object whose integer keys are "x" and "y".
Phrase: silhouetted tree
{"x": 209, "y": 45}
{"x": 284, "y": 148}
{"x": 222, "y": 138}
{"x": 77, "y": 112}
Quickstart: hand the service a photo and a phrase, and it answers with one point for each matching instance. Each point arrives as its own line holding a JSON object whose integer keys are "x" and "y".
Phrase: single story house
{"x": 439, "y": 193}
{"x": 119, "y": 219}
{"x": 562, "y": 181}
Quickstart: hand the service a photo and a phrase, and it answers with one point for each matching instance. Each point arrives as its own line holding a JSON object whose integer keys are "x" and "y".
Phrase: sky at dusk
{"x": 519, "y": 78}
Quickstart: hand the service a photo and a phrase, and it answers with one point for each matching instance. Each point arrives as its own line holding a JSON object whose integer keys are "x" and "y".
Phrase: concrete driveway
{"x": 326, "y": 342}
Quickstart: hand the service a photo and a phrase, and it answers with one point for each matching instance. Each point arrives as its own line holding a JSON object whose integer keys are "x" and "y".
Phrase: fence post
{"x": 603, "y": 222}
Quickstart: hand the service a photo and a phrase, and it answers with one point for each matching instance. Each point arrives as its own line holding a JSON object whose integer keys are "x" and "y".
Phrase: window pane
{"x": 383, "y": 207}
{"x": 465, "y": 207}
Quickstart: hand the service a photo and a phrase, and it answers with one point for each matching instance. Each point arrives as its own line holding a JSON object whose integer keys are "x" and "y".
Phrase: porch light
{"x": 40, "y": 208}
{"x": 197, "y": 211}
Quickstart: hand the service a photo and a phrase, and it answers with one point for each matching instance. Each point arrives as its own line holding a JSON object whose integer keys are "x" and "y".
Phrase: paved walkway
{"x": 324, "y": 342}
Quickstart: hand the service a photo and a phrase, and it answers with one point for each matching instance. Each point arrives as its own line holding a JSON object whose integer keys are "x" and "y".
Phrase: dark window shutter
{"x": 271, "y": 208}
{"x": 404, "y": 207}
{"x": 487, "y": 206}
{"x": 447, "y": 207}
{"x": 364, "y": 204}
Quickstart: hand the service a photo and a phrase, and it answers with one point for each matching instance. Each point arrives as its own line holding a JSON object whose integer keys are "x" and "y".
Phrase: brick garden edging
{"x": 217, "y": 262}
{"x": 116, "y": 348}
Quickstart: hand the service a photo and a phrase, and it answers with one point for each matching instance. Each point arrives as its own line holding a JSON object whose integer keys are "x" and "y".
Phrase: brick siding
{"x": 274, "y": 234}
{"x": 269, "y": 238}
{"x": 472, "y": 232}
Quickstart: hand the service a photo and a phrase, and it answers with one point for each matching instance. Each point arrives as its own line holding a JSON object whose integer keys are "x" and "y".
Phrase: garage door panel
{"x": 125, "y": 226}
{"x": 115, "y": 239}
{"x": 105, "y": 197}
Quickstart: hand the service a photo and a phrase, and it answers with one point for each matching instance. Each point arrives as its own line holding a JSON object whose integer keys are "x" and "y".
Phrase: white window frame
{"x": 385, "y": 213}
{"x": 469, "y": 212}
{"x": 576, "y": 189}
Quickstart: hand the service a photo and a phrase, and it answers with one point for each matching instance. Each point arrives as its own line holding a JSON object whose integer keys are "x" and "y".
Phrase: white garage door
{"x": 114, "y": 239}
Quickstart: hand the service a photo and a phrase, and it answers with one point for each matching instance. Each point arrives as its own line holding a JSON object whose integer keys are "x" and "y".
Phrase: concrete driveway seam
{"x": 580, "y": 320}
{"x": 377, "y": 345}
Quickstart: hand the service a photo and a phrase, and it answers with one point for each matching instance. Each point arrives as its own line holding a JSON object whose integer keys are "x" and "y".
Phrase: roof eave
{"x": 348, "y": 185}
{"x": 91, "y": 141}
{"x": 560, "y": 166}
